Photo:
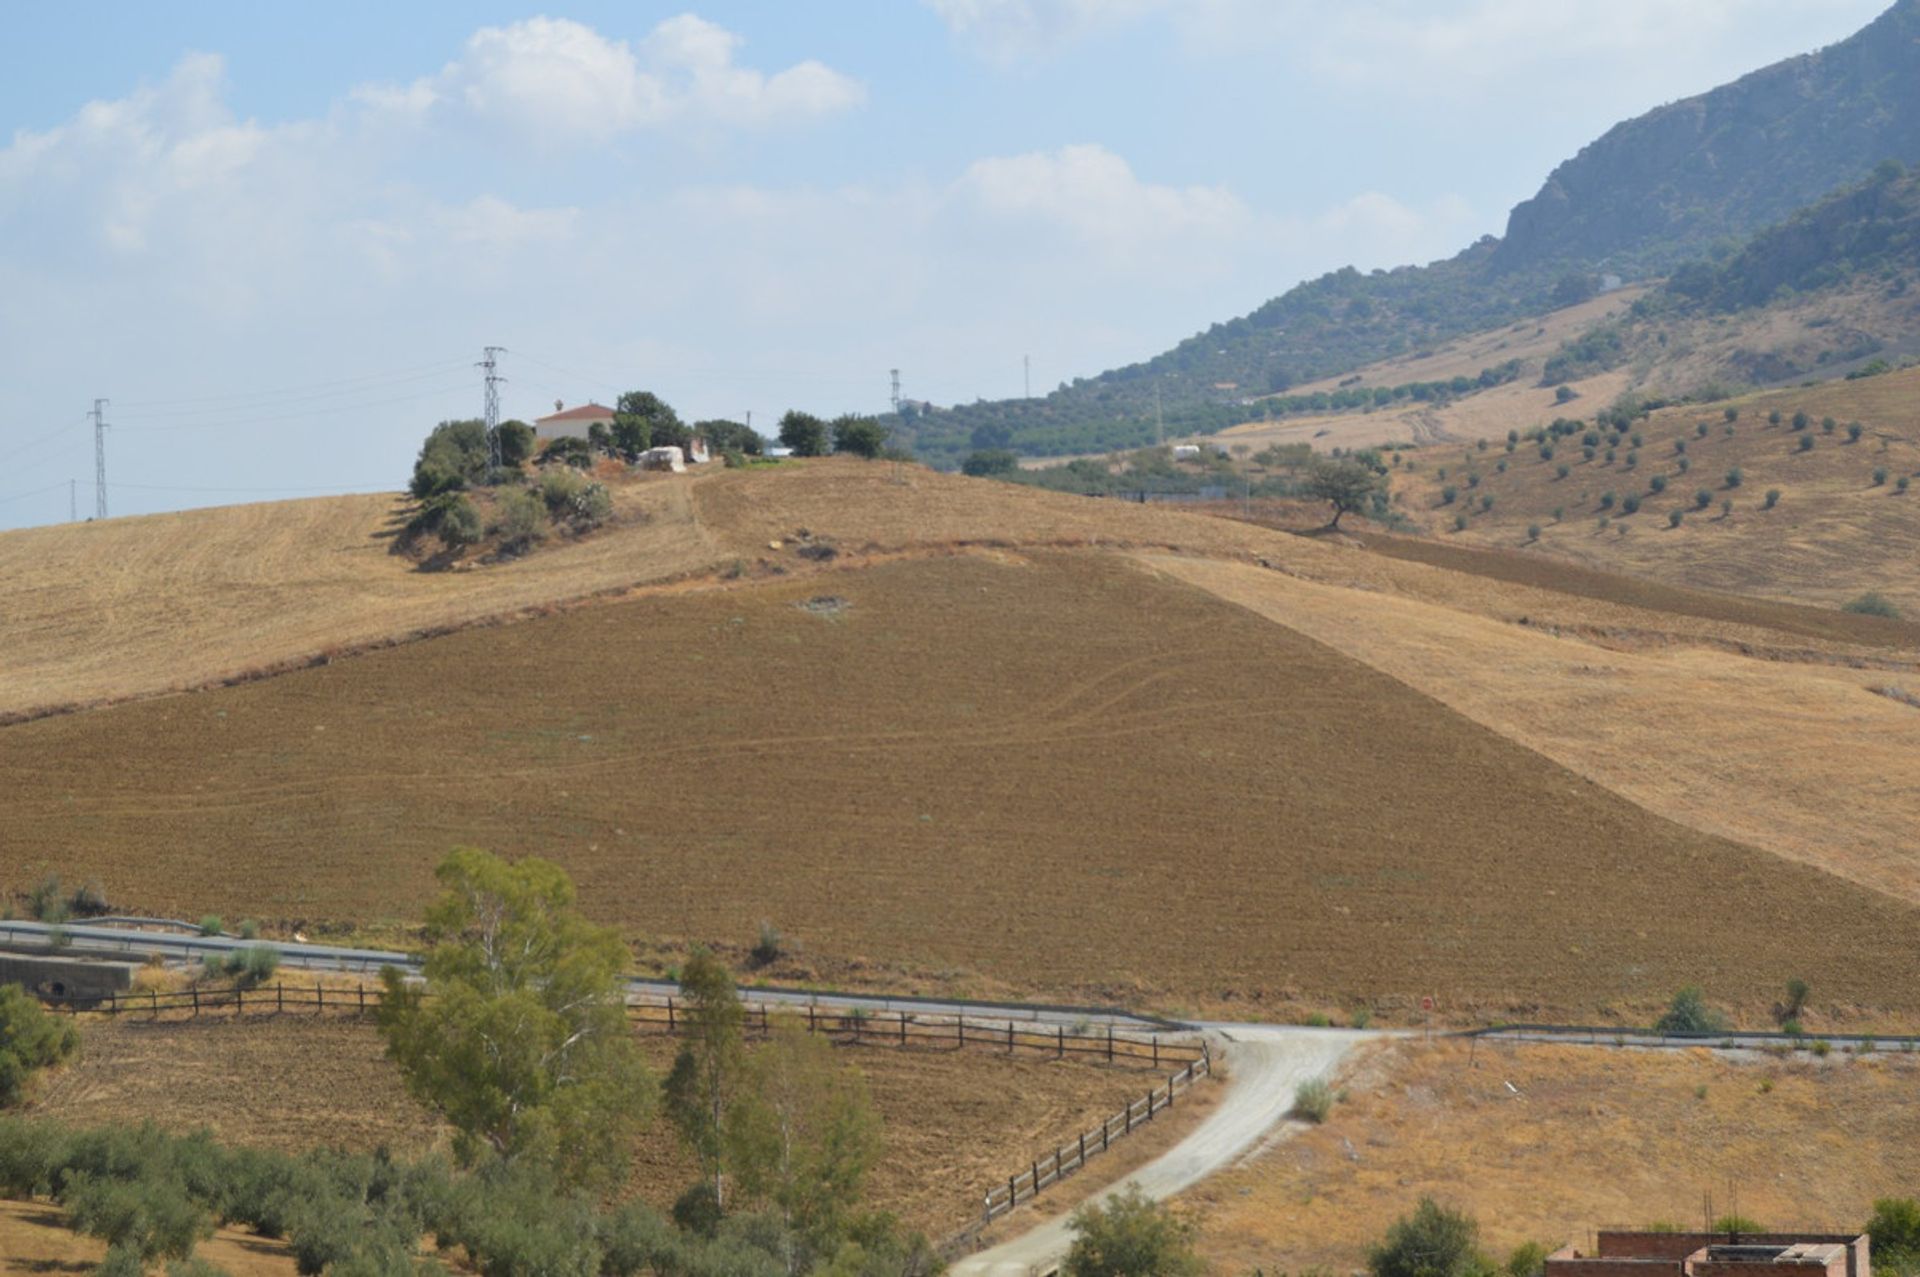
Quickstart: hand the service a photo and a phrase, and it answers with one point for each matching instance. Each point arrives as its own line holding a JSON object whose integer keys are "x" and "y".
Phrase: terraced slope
{"x": 1048, "y": 772}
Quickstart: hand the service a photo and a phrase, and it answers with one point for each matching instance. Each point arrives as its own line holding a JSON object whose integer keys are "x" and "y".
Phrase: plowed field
{"x": 1056, "y": 774}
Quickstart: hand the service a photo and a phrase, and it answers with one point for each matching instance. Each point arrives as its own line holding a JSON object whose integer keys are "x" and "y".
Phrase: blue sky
{"x": 276, "y": 236}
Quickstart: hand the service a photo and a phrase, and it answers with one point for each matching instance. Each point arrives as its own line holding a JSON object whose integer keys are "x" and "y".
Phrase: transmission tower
{"x": 896, "y": 389}
{"x": 492, "y": 412}
{"x": 99, "y": 459}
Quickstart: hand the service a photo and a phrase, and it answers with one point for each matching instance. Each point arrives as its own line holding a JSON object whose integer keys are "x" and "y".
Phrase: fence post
{"x": 903, "y": 1028}
{"x": 1060, "y": 1044}
{"x": 363, "y": 998}
{"x": 811, "y": 1018}
{"x": 239, "y": 998}
{"x": 1009, "y": 1037}
{"x": 1105, "y": 1140}
{"x": 1013, "y": 1190}
{"x": 1083, "y": 1148}
{"x": 155, "y": 995}
{"x": 669, "y": 1014}
{"x": 1109, "y": 1041}
{"x": 1129, "y": 1128}
{"x": 1156, "y": 1052}
{"x": 1150, "y": 1098}
{"x": 1036, "y": 1179}
{"x": 279, "y": 996}
{"x": 196, "y": 1001}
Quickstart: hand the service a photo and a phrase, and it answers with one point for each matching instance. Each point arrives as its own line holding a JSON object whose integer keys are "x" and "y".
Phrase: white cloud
{"x": 1013, "y": 30}
{"x": 560, "y": 80}
{"x": 1094, "y": 196}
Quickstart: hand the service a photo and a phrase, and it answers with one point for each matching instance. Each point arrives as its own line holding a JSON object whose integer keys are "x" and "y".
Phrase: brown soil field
{"x": 1053, "y": 773}
{"x": 1834, "y": 535}
{"x": 1800, "y": 758}
{"x": 954, "y": 1121}
{"x": 1587, "y": 1137}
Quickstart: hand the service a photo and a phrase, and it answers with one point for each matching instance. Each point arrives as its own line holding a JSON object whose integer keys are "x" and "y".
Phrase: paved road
{"x": 141, "y": 943}
{"x": 1264, "y": 1064}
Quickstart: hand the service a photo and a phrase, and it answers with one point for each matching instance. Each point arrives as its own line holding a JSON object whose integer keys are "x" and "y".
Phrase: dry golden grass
{"x": 954, "y": 1121}
{"x": 1834, "y": 535}
{"x": 940, "y": 775}
{"x": 129, "y": 607}
{"x": 35, "y": 1241}
{"x": 1588, "y": 1137}
{"x": 1797, "y": 758}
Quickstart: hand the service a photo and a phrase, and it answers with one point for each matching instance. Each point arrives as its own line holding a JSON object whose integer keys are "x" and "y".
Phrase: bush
{"x": 558, "y": 488}
{"x": 1872, "y": 603}
{"x": 31, "y": 1038}
{"x": 1685, "y": 464}
{"x": 1533, "y": 532}
{"x": 1448, "y": 494}
{"x": 1675, "y": 518}
{"x": 46, "y": 902}
{"x": 249, "y": 929}
{"x": 1806, "y": 443}
{"x": 1797, "y": 991}
{"x": 1459, "y": 523}
{"x": 1658, "y": 483}
{"x": 1702, "y": 499}
{"x": 1561, "y": 471}
{"x": 152, "y": 1216}
{"x": 1313, "y": 1100}
{"x": 1733, "y": 414}
{"x": 1631, "y": 504}
{"x": 1828, "y": 425}
{"x": 1894, "y": 1230}
{"x": 1606, "y": 500}
{"x": 1801, "y": 420}
{"x": 1773, "y": 499}
{"x": 1431, "y": 1242}
{"x": 253, "y": 965}
{"x": 1900, "y": 484}
{"x": 1130, "y": 1235}
{"x": 522, "y": 521}
{"x": 1735, "y": 477}
{"x": 1879, "y": 475}
{"x": 768, "y": 946}
{"x": 861, "y": 436}
{"x": 1689, "y": 1013}
{"x": 210, "y": 925}
{"x": 1679, "y": 446}
{"x": 1486, "y": 504}
{"x": 1854, "y": 431}
{"x": 1529, "y": 1259}
{"x": 1702, "y": 429}
{"x": 1737, "y": 1224}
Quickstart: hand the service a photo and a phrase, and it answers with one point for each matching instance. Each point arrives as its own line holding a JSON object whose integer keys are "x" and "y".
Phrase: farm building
{"x": 1621, "y": 1253}
{"x": 572, "y": 423}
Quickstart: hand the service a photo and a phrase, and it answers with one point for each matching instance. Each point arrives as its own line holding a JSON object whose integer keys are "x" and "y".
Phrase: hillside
{"x": 1002, "y": 740}
{"x": 1657, "y": 190}
{"x": 1842, "y": 526}
{"x": 1689, "y": 180}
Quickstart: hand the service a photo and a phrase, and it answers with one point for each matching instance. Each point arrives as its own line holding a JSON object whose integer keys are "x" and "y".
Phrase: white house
{"x": 572, "y": 423}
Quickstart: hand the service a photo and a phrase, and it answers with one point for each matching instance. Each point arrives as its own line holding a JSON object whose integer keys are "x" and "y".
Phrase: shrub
{"x": 1473, "y": 481}
{"x": 1501, "y": 467}
{"x": 1638, "y": 439}
{"x": 559, "y": 487}
{"x": 1633, "y": 460}
{"x": 153, "y": 1216}
{"x": 1313, "y": 1100}
{"x": 1737, "y": 1224}
{"x": 210, "y": 925}
{"x": 1658, "y": 483}
{"x": 1894, "y": 1230}
{"x": 1448, "y": 494}
{"x": 1533, "y": 532}
{"x": 1559, "y": 513}
{"x": 1797, "y": 991}
{"x": 1773, "y": 418}
{"x": 1130, "y": 1235}
{"x": 1872, "y": 603}
{"x": 1459, "y": 523}
{"x": 1362, "y": 1018}
{"x": 1879, "y": 475}
{"x": 1679, "y": 446}
{"x": 1828, "y": 425}
{"x": 1735, "y": 477}
{"x": 31, "y": 1038}
{"x": 1606, "y": 500}
{"x": 1733, "y": 414}
{"x": 1546, "y": 452}
{"x": 1823, "y": 1048}
{"x": 1702, "y": 499}
{"x": 1689, "y": 1013}
{"x": 1611, "y": 453}
{"x": 1900, "y": 484}
{"x": 1685, "y": 464}
{"x": 1773, "y": 499}
{"x": 1561, "y": 471}
{"x": 249, "y": 929}
{"x": 1486, "y": 504}
{"x": 1702, "y": 429}
{"x": 253, "y": 965}
{"x": 1431, "y": 1242}
{"x": 89, "y": 900}
{"x": 1801, "y": 420}
{"x": 1630, "y": 504}
{"x": 46, "y": 902}
{"x": 1806, "y": 443}
{"x": 1587, "y": 453}
{"x": 1854, "y": 431}
{"x": 1726, "y": 508}
{"x": 1675, "y": 518}
{"x": 769, "y": 945}
{"x": 522, "y": 522}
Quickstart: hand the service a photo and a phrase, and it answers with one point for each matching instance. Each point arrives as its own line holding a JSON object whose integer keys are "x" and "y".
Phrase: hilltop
{"x": 958, "y": 735}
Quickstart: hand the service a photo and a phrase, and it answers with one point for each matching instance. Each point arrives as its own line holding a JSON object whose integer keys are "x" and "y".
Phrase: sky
{"x": 277, "y": 237}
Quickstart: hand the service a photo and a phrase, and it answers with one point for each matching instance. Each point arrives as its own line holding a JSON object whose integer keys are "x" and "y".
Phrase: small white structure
{"x": 572, "y": 423}
{"x": 668, "y": 458}
{"x": 1186, "y": 451}
{"x": 697, "y": 451}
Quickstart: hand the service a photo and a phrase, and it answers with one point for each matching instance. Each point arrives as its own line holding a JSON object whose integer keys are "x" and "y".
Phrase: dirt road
{"x": 1263, "y": 1066}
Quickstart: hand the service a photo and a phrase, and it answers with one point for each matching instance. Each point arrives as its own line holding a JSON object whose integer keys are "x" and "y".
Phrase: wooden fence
{"x": 1044, "y": 1172}
{"x": 669, "y": 1015}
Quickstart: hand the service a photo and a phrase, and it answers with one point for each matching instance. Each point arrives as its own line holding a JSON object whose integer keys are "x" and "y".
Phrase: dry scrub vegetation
{"x": 1116, "y": 786}
{"x": 1587, "y": 1137}
{"x": 955, "y": 1121}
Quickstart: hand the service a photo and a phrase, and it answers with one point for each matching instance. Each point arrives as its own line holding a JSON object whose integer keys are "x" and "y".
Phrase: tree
{"x": 707, "y": 1074}
{"x": 861, "y": 436}
{"x": 1894, "y": 1230}
{"x": 989, "y": 462}
{"x": 803, "y": 1137}
{"x": 455, "y": 454}
{"x": 1431, "y": 1242}
{"x": 516, "y": 440}
{"x": 649, "y": 419}
{"x": 803, "y": 434}
{"x": 1130, "y": 1235}
{"x": 1689, "y": 1013}
{"x": 31, "y": 1039}
{"x": 730, "y": 436}
{"x": 520, "y": 1037}
{"x": 1347, "y": 484}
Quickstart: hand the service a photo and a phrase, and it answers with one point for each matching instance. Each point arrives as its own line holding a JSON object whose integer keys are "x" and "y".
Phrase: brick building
{"x": 1619, "y": 1253}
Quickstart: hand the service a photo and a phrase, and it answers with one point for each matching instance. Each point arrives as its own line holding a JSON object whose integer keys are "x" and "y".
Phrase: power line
{"x": 172, "y": 487}
{"x": 323, "y": 389}
{"x": 22, "y": 496}
{"x": 435, "y": 392}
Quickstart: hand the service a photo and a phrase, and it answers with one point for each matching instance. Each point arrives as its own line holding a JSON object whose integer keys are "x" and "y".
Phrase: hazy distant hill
{"x": 1667, "y": 187}
{"x": 1658, "y": 189}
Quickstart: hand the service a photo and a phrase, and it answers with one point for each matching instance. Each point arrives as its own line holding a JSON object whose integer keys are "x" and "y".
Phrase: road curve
{"x": 1263, "y": 1065}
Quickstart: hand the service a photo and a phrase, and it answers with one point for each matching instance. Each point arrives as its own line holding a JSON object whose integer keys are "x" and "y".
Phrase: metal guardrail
{"x": 1732, "y": 1039}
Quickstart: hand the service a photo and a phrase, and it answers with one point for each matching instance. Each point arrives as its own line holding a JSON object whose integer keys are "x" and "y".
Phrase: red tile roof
{"x": 585, "y": 412}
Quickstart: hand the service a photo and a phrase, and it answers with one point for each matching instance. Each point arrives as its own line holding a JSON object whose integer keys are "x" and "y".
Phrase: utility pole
{"x": 492, "y": 411}
{"x": 896, "y": 389}
{"x": 99, "y": 459}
